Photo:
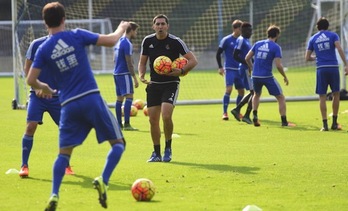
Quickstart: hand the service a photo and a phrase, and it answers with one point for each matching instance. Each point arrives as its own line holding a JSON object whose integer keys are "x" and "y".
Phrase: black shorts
{"x": 160, "y": 93}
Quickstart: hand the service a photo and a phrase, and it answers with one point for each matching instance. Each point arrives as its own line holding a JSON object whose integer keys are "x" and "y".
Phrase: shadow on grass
{"x": 85, "y": 183}
{"x": 220, "y": 167}
{"x": 271, "y": 123}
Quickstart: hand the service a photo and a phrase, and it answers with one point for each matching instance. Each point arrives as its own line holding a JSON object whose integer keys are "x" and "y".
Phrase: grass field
{"x": 217, "y": 165}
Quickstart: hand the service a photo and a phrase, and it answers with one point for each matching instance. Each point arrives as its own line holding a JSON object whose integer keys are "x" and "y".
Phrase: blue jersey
{"x": 227, "y": 44}
{"x": 64, "y": 54}
{"x": 122, "y": 49}
{"x": 244, "y": 46}
{"x": 323, "y": 44}
{"x": 30, "y": 55}
{"x": 264, "y": 53}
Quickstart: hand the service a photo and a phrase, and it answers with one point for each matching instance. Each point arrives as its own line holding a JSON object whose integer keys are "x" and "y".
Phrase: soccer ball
{"x": 162, "y": 65}
{"x": 133, "y": 111}
{"x": 143, "y": 189}
{"x": 139, "y": 104}
{"x": 179, "y": 63}
{"x": 145, "y": 111}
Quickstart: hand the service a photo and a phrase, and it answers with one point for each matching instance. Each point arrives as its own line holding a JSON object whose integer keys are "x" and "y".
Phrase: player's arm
{"x": 238, "y": 57}
{"x": 191, "y": 63}
{"x": 142, "y": 69}
{"x": 109, "y": 40}
{"x": 42, "y": 89}
{"x": 218, "y": 60}
{"x": 309, "y": 56}
{"x": 279, "y": 65}
{"x": 341, "y": 53}
{"x": 248, "y": 60}
{"x": 130, "y": 65}
{"x": 27, "y": 65}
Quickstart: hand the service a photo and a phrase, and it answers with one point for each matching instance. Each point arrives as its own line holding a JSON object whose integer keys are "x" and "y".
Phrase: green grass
{"x": 217, "y": 165}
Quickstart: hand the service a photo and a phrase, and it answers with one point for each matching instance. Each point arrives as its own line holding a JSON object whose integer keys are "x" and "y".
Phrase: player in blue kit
{"x": 36, "y": 108}
{"x": 230, "y": 68}
{"x": 123, "y": 74}
{"x": 324, "y": 43}
{"x": 264, "y": 53}
{"x": 240, "y": 51}
{"x": 63, "y": 55}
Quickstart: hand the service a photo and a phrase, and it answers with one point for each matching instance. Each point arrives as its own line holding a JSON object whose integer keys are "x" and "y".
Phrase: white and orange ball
{"x": 145, "y": 111}
{"x": 179, "y": 63}
{"x": 139, "y": 104}
{"x": 133, "y": 111}
{"x": 162, "y": 65}
{"x": 143, "y": 189}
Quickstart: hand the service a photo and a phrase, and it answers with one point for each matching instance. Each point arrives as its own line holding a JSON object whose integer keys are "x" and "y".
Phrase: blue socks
{"x": 27, "y": 144}
{"x": 127, "y": 109}
{"x": 225, "y": 101}
{"x": 58, "y": 172}
{"x": 118, "y": 110}
{"x": 112, "y": 160}
{"x": 239, "y": 98}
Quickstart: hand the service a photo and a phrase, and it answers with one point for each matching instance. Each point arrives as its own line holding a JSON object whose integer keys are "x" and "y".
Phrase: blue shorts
{"x": 271, "y": 84}
{"x": 246, "y": 79}
{"x": 233, "y": 77}
{"x": 79, "y": 116}
{"x": 327, "y": 77}
{"x": 124, "y": 84}
{"x": 37, "y": 106}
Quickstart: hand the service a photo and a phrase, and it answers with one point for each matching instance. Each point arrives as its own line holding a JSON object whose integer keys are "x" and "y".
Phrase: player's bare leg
{"x": 323, "y": 111}
{"x": 154, "y": 113}
{"x": 168, "y": 127}
{"x": 256, "y": 102}
{"x": 335, "y": 108}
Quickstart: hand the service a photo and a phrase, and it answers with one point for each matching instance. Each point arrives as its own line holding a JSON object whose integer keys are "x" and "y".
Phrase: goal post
{"x": 27, "y": 27}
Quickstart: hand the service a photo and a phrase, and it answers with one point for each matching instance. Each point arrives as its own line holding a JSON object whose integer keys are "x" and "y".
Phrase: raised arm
{"x": 109, "y": 40}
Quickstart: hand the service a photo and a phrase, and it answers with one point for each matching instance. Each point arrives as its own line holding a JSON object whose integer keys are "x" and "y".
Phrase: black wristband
{"x": 182, "y": 71}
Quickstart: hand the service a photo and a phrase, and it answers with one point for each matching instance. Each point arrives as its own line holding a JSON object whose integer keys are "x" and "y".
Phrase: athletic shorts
{"x": 124, "y": 84}
{"x": 37, "y": 106}
{"x": 246, "y": 79}
{"x": 271, "y": 84}
{"x": 327, "y": 77}
{"x": 233, "y": 77}
{"x": 79, "y": 116}
{"x": 160, "y": 93}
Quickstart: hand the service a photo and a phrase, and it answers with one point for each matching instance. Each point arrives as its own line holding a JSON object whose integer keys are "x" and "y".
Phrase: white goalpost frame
{"x": 18, "y": 73}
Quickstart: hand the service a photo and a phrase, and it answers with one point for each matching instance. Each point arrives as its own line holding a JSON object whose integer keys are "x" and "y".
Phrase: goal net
{"x": 200, "y": 24}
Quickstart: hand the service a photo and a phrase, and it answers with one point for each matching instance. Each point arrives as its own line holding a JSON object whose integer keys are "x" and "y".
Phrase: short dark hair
{"x": 245, "y": 25}
{"x": 132, "y": 26}
{"x": 322, "y": 24}
{"x": 160, "y": 16}
{"x": 53, "y": 14}
{"x": 236, "y": 24}
{"x": 273, "y": 31}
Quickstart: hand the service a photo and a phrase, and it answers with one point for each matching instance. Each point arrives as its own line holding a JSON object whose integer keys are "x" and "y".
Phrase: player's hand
{"x": 143, "y": 80}
{"x": 174, "y": 72}
{"x": 346, "y": 70}
{"x": 286, "y": 81}
{"x": 221, "y": 71}
{"x": 123, "y": 25}
{"x": 136, "y": 83}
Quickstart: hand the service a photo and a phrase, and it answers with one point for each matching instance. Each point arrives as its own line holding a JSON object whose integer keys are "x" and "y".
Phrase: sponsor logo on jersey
{"x": 60, "y": 49}
{"x": 322, "y": 38}
{"x": 264, "y": 47}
